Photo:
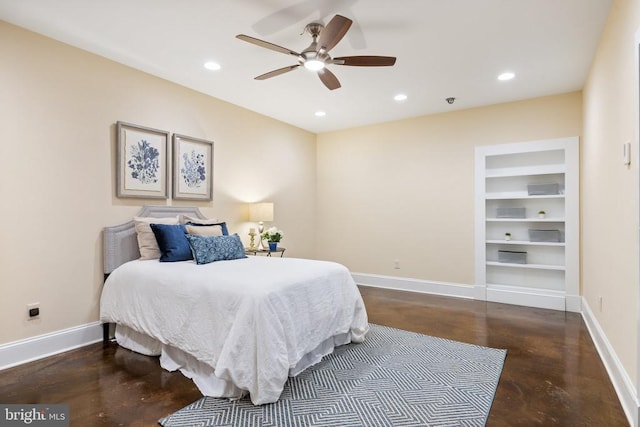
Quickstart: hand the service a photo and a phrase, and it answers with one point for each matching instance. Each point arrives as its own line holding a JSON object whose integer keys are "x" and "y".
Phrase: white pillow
{"x": 212, "y": 230}
{"x": 146, "y": 239}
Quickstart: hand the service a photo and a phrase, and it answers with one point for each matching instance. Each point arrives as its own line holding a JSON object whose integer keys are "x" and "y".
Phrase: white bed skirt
{"x": 202, "y": 374}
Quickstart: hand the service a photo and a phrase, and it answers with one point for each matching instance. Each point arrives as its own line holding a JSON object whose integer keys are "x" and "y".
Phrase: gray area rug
{"x": 393, "y": 378}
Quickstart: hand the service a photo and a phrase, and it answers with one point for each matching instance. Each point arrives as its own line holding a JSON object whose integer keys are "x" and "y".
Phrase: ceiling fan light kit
{"x": 313, "y": 64}
{"x": 316, "y": 57}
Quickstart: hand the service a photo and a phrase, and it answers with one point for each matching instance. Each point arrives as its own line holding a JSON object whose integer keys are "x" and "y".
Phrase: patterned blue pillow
{"x": 201, "y": 248}
{"x": 172, "y": 242}
{"x": 228, "y": 247}
{"x": 208, "y": 249}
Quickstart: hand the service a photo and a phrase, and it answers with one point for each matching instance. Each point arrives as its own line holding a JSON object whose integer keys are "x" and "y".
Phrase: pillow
{"x": 172, "y": 242}
{"x": 201, "y": 248}
{"x": 228, "y": 247}
{"x": 214, "y": 230}
{"x": 208, "y": 249}
{"x": 187, "y": 218}
{"x": 221, "y": 225}
{"x": 147, "y": 243}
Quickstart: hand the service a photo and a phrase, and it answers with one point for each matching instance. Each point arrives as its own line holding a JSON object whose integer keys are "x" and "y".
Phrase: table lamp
{"x": 261, "y": 212}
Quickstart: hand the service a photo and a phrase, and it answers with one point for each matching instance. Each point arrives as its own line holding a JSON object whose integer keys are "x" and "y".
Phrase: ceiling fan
{"x": 316, "y": 57}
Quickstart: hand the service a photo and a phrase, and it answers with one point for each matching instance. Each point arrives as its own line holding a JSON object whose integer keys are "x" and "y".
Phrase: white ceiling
{"x": 445, "y": 48}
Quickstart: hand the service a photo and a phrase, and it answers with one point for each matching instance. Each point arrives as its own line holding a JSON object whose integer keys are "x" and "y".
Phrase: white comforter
{"x": 252, "y": 319}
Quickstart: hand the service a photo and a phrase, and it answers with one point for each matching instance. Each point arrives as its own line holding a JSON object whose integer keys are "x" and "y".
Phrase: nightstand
{"x": 265, "y": 251}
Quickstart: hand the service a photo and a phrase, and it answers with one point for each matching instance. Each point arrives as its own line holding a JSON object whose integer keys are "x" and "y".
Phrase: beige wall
{"x": 405, "y": 190}
{"x": 58, "y": 106}
{"x": 609, "y": 189}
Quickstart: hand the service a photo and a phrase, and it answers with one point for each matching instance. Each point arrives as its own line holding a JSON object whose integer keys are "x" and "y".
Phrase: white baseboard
{"x": 621, "y": 381}
{"x": 528, "y": 297}
{"x": 574, "y": 303}
{"x": 415, "y": 285}
{"x": 30, "y": 349}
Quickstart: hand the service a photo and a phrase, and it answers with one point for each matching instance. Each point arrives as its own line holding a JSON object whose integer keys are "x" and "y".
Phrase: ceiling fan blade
{"x": 365, "y": 61}
{"x": 329, "y": 79}
{"x": 277, "y": 72}
{"x": 267, "y": 45}
{"x": 333, "y": 32}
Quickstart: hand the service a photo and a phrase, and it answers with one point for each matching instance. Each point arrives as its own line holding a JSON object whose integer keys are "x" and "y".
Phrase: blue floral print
{"x": 193, "y": 170}
{"x": 144, "y": 162}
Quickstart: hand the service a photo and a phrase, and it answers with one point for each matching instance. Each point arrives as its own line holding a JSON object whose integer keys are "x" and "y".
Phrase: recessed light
{"x": 506, "y": 76}
{"x": 320, "y": 113}
{"x": 213, "y": 66}
{"x": 400, "y": 97}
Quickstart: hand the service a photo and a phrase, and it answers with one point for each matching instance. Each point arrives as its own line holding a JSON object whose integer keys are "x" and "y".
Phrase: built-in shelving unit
{"x": 550, "y": 276}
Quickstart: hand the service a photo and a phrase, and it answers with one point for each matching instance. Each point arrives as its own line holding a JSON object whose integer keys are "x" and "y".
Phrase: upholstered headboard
{"x": 121, "y": 241}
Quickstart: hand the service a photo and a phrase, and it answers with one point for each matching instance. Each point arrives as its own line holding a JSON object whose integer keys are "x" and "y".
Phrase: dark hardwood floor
{"x": 552, "y": 374}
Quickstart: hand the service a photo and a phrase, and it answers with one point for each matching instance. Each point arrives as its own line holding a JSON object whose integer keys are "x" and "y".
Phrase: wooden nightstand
{"x": 280, "y": 250}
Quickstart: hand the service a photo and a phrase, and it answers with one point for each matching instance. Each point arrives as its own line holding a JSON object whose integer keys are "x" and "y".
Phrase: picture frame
{"x": 192, "y": 168}
{"x": 142, "y": 164}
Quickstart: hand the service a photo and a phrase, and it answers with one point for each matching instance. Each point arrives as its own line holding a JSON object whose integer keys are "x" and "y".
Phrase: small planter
{"x": 542, "y": 214}
{"x": 507, "y": 236}
{"x": 272, "y": 236}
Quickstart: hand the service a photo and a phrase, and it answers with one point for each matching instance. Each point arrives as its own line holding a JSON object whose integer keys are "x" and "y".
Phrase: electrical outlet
{"x": 33, "y": 311}
{"x": 396, "y": 264}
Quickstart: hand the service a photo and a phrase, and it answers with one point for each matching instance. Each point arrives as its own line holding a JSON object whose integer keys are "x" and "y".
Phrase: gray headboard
{"x": 121, "y": 241}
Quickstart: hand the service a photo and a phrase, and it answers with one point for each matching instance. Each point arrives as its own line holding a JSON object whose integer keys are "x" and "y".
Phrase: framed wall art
{"x": 192, "y": 168}
{"x": 142, "y": 162}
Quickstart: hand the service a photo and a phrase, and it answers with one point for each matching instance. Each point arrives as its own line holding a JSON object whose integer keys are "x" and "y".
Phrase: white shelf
{"x": 517, "y": 195}
{"x": 525, "y": 171}
{"x": 525, "y": 219}
{"x": 529, "y": 266}
{"x": 524, "y": 243}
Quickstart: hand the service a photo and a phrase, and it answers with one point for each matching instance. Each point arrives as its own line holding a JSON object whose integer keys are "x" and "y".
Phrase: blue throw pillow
{"x": 208, "y": 249}
{"x": 222, "y": 225}
{"x": 201, "y": 248}
{"x": 172, "y": 242}
{"x": 228, "y": 247}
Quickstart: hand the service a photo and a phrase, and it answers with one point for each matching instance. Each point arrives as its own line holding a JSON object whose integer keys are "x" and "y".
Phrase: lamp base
{"x": 260, "y": 231}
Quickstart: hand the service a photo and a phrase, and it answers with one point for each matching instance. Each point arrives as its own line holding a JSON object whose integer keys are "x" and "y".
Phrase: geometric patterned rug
{"x": 393, "y": 378}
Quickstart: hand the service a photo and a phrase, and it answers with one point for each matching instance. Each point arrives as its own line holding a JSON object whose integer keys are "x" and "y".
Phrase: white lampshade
{"x": 259, "y": 212}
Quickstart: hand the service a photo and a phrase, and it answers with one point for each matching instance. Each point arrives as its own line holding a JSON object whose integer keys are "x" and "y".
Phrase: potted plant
{"x": 507, "y": 236}
{"x": 273, "y": 236}
{"x": 541, "y": 214}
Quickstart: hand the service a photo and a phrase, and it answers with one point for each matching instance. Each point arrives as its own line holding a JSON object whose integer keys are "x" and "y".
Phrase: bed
{"x": 234, "y": 327}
